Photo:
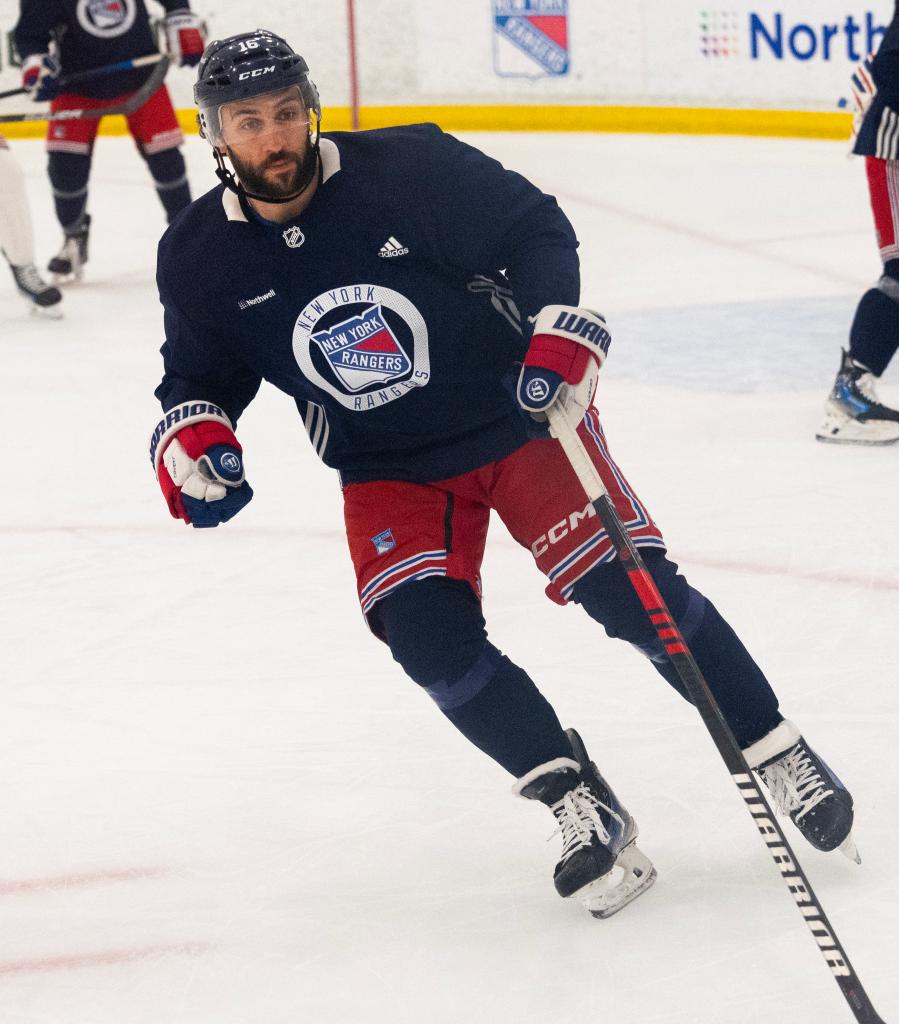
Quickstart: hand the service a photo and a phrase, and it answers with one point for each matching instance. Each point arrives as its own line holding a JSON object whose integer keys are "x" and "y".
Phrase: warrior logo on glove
{"x": 568, "y": 346}
{"x": 198, "y": 464}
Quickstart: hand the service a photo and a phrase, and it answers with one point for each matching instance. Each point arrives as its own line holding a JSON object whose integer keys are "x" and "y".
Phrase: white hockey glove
{"x": 568, "y": 346}
{"x": 184, "y": 37}
{"x": 199, "y": 464}
{"x": 40, "y": 77}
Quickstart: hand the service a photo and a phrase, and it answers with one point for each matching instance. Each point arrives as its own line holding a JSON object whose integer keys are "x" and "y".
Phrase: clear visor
{"x": 243, "y": 122}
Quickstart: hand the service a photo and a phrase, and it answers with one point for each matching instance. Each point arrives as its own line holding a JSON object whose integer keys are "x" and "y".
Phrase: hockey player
{"x": 853, "y": 414}
{"x": 393, "y": 282}
{"x": 17, "y": 238}
{"x": 59, "y": 37}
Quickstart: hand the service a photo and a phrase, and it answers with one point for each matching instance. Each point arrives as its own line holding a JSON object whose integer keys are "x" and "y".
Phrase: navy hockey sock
{"x": 874, "y": 335}
{"x": 436, "y": 631}
{"x": 170, "y": 177}
{"x": 744, "y": 694}
{"x": 69, "y": 173}
{"x": 508, "y": 717}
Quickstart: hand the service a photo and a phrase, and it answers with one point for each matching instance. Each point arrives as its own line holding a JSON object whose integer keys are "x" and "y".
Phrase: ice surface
{"x": 220, "y": 799}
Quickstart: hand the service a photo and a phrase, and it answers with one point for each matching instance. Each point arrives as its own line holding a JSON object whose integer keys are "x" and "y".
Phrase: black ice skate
{"x": 600, "y": 862}
{"x": 68, "y": 263}
{"x": 803, "y": 787}
{"x": 853, "y": 415}
{"x": 44, "y": 298}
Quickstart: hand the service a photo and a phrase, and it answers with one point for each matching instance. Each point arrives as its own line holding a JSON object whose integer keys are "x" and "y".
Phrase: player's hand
{"x": 568, "y": 346}
{"x": 40, "y": 76}
{"x": 863, "y": 92}
{"x": 184, "y": 37}
{"x": 199, "y": 466}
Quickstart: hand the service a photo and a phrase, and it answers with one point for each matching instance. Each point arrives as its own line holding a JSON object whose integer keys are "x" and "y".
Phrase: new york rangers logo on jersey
{"x": 106, "y": 18}
{"x": 530, "y": 38}
{"x": 363, "y": 350}
{"x": 364, "y": 345}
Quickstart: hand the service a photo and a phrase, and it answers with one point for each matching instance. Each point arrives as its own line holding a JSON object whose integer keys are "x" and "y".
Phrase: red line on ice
{"x": 104, "y": 958}
{"x": 77, "y": 881}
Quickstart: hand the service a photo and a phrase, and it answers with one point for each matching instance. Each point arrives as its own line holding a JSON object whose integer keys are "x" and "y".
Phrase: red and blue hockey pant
{"x": 417, "y": 551}
{"x": 874, "y": 335}
{"x": 70, "y": 144}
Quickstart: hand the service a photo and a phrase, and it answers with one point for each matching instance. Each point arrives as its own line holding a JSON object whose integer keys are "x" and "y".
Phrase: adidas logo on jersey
{"x": 392, "y": 248}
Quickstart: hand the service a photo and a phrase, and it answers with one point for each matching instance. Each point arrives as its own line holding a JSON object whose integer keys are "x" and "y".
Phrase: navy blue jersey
{"x": 390, "y": 309}
{"x": 879, "y": 134}
{"x": 89, "y": 34}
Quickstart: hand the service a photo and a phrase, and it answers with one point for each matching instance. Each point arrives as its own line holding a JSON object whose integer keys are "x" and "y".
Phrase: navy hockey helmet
{"x": 245, "y": 65}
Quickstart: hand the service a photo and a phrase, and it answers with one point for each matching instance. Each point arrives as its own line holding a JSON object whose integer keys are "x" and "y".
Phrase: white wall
{"x": 791, "y": 54}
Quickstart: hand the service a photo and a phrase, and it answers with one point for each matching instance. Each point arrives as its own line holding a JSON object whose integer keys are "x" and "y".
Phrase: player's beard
{"x": 258, "y": 179}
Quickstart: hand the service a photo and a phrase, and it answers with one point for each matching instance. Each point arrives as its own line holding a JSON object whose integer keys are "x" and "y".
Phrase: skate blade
{"x": 849, "y": 849}
{"x": 632, "y": 875}
{"x": 838, "y": 428}
{"x": 53, "y": 312}
{"x": 61, "y": 280}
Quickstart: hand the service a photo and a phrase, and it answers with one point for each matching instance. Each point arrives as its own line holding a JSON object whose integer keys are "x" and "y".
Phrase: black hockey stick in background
{"x": 128, "y": 106}
{"x": 86, "y": 76}
{"x": 701, "y": 696}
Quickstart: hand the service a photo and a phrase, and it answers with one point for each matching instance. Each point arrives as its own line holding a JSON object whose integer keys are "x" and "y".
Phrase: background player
{"x": 17, "y": 238}
{"x": 360, "y": 274}
{"x": 853, "y": 413}
{"x": 58, "y": 37}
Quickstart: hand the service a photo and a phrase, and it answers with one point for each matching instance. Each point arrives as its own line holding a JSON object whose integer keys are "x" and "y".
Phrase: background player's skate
{"x": 68, "y": 263}
{"x": 853, "y": 413}
{"x": 43, "y": 299}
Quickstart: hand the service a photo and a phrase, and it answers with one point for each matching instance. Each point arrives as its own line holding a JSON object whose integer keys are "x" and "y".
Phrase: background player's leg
{"x": 155, "y": 129}
{"x": 69, "y": 174}
{"x": 853, "y": 412}
{"x": 17, "y": 237}
{"x": 170, "y": 178}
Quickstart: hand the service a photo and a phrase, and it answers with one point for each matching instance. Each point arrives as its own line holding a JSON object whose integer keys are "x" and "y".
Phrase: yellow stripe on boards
{"x": 802, "y": 124}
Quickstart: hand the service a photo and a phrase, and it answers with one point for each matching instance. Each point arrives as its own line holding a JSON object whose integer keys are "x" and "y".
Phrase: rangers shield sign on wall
{"x": 530, "y": 38}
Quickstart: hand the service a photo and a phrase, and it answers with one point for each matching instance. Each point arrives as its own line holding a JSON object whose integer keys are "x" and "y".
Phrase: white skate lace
{"x": 28, "y": 277}
{"x": 794, "y": 783}
{"x": 578, "y": 816}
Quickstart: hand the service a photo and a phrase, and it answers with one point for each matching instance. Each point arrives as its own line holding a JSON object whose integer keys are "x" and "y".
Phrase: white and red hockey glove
{"x": 568, "y": 346}
{"x": 199, "y": 464}
{"x": 863, "y": 92}
{"x": 40, "y": 77}
{"x": 184, "y": 37}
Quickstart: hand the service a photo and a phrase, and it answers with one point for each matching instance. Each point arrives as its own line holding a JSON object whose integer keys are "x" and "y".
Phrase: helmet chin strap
{"x": 229, "y": 180}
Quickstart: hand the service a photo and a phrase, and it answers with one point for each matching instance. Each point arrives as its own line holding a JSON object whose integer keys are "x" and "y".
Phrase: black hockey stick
{"x": 128, "y": 106}
{"x": 701, "y": 696}
{"x": 86, "y": 76}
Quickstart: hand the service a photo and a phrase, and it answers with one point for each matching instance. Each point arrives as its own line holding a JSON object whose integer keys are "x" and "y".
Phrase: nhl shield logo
{"x": 363, "y": 350}
{"x": 293, "y": 237}
{"x": 106, "y": 18}
{"x": 530, "y": 38}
